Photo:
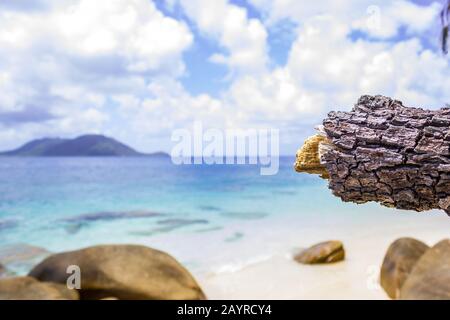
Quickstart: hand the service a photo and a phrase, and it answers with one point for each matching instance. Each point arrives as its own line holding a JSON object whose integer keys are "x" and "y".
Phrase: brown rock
{"x": 27, "y": 288}
{"x": 398, "y": 262}
{"x": 124, "y": 272}
{"x": 308, "y": 159}
{"x": 2, "y": 270}
{"x": 430, "y": 277}
{"x": 324, "y": 252}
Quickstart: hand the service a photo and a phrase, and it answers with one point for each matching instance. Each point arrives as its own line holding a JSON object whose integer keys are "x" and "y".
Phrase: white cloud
{"x": 115, "y": 66}
{"x": 275, "y": 10}
{"x": 242, "y": 37}
{"x": 386, "y": 21}
{"x": 9, "y": 93}
{"x": 168, "y": 106}
{"x": 68, "y": 57}
{"x": 377, "y": 18}
{"x": 75, "y": 92}
{"x": 133, "y": 30}
{"x": 328, "y": 70}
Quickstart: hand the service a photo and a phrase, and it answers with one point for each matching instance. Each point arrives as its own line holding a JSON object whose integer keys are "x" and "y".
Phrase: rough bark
{"x": 385, "y": 152}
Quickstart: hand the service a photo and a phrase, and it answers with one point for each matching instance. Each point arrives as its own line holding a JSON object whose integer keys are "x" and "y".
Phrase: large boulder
{"x": 27, "y": 288}
{"x": 398, "y": 262}
{"x": 324, "y": 252}
{"x": 2, "y": 270}
{"x": 122, "y": 271}
{"x": 430, "y": 277}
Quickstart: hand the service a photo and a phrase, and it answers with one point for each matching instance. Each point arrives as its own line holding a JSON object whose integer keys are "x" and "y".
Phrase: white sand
{"x": 279, "y": 277}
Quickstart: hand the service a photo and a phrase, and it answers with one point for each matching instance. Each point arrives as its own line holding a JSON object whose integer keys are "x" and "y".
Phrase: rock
{"x": 124, "y": 272}
{"x": 74, "y": 224}
{"x": 398, "y": 262}
{"x": 430, "y": 277}
{"x": 308, "y": 159}
{"x": 2, "y": 270}
{"x": 111, "y": 215}
{"x": 27, "y": 288}
{"x": 324, "y": 252}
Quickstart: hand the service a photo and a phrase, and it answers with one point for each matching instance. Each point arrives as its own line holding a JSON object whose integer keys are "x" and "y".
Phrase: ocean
{"x": 210, "y": 217}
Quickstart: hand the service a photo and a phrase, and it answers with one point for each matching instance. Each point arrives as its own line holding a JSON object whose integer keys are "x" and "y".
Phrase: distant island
{"x": 91, "y": 145}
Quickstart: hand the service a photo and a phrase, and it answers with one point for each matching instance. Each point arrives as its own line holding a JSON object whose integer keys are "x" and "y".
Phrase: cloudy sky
{"x": 138, "y": 69}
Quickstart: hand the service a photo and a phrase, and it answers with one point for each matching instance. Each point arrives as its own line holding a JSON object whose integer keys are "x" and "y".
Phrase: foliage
{"x": 445, "y": 21}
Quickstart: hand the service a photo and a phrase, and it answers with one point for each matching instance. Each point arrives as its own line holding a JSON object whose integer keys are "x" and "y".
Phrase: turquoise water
{"x": 192, "y": 211}
{"x": 51, "y": 201}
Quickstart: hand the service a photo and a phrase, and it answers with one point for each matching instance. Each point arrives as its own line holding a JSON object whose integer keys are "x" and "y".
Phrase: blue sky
{"x": 139, "y": 69}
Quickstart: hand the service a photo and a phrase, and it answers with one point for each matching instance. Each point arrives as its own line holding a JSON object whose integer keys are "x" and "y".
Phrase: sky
{"x": 137, "y": 70}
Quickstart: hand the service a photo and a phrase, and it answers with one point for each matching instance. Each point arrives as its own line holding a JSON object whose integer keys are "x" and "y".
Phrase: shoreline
{"x": 357, "y": 277}
{"x": 259, "y": 264}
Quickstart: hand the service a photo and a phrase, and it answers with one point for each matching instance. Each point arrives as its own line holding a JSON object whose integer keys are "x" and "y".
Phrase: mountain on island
{"x": 83, "y": 146}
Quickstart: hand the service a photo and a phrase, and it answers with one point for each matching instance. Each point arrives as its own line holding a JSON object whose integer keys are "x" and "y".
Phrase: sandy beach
{"x": 238, "y": 242}
{"x": 280, "y": 277}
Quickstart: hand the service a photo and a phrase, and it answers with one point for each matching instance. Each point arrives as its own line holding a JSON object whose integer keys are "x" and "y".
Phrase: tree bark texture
{"x": 385, "y": 152}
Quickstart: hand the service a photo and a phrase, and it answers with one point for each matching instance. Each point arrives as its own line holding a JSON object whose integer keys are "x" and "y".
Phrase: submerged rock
{"x": 21, "y": 253}
{"x": 210, "y": 229}
{"x": 398, "y": 263}
{"x": 8, "y": 224}
{"x": 76, "y": 223}
{"x": 430, "y": 277}
{"x": 111, "y": 215}
{"x": 175, "y": 222}
{"x": 324, "y": 252}
{"x": 28, "y": 288}
{"x": 234, "y": 237}
{"x": 124, "y": 272}
{"x": 209, "y": 208}
{"x": 169, "y": 225}
{"x": 244, "y": 215}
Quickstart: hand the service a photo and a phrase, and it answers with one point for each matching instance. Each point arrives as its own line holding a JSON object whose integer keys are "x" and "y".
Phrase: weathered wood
{"x": 385, "y": 152}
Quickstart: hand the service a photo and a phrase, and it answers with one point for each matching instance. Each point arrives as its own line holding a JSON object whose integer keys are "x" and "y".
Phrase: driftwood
{"x": 385, "y": 152}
